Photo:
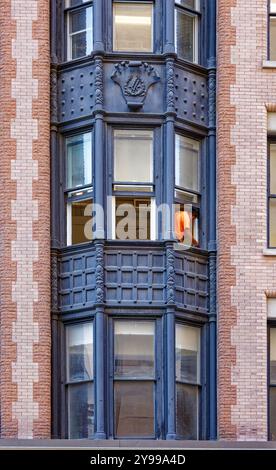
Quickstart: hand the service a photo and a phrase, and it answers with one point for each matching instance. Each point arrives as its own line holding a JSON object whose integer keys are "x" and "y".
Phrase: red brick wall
{"x": 226, "y": 231}
{"x": 25, "y": 342}
{"x": 246, "y": 275}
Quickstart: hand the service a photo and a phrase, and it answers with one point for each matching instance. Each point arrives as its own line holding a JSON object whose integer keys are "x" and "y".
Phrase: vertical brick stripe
{"x": 226, "y": 230}
{"x": 26, "y": 413}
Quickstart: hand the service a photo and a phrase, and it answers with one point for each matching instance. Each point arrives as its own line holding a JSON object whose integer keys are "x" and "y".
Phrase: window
{"x": 273, "y": 384}
{"x": 79, "y": 20}
{"x": 187, "y": 344}
{"x": 186, "y": 29}
{"x": 79, "y": 190}
{"x": 272, "y": 194}
{"x": 272, "y": 30}
{"x": 133, "y": 26}
{"x": 133, "y": 188}
{"x": 187, "y": 190}
{"x": 134, "y": 378}
{"x": 79, "y": 380}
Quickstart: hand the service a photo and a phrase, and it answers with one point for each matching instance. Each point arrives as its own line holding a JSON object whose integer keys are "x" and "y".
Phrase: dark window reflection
{"x": 80, "y": 352}
{"x": 81, "y": 411}
{"x": 187, "y": 411}
{"x": 185, "y": 35}
{"x": 134, "y": 409}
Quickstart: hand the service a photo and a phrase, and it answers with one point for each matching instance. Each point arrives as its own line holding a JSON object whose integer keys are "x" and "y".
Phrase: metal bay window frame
{"x": 154, "y": 195}
{"x": 196, "y": 14}
{"x": 69, "y": 383}
{"x": 197, "y": 206}
{"x": 70, "y": 195}
{"x": 158, "y": 402}
{"x": 71, "y": 9}
{"x": 164, "y": 42}
{"x": 106, "y": 399}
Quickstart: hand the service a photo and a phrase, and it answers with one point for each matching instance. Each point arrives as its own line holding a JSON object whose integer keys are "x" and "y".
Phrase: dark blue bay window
{"x": 133, "y": 289}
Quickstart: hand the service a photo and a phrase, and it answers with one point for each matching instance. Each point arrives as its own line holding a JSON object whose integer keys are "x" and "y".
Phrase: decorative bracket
{"x": 135, "y": 78}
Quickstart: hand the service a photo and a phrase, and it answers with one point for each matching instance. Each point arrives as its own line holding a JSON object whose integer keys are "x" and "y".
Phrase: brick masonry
{"x": 25, "y": 241}
{"x": 246, "y": 91}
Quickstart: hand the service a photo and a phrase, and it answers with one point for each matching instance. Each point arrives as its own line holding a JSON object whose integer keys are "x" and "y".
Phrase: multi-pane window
{"x": 133, "y": 188}
{"x": 79, "y": 190}
{"x": 272, "y": 30}
{"x": 187, "y": 358}
{"x": 79, "y": 22}
{"x": 272, "y": 194}
{"x": 79, "y": 380}
{"x": 187, "y": 190}
{"x": 186, "y": 29}
{"x": 133, "y": 26}
{"x": 272, "y": 423}
{"x": 134, "y": 379}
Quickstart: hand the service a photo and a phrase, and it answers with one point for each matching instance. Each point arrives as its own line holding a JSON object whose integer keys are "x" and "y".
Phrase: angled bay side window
{"x": 187, "y": 29}
{"x": 79, "y": 24}
{"x": 271, "y": 180}
{"x": 79, "y": 189}
{"x": 187, "y": 190}
{"x": 133, "y": 188}
{"x": 272, "y": 30}
{"x": 134, "y": 379}
{"x": 133, "y": 26}
{"x": 272, "y": 406}
{"x": 187, "y": 358}
{"x": 79, "y": 380}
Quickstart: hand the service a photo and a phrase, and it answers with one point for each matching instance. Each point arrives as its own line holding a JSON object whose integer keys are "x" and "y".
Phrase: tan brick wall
{"x": 245, "y": 274}
{"x": 25, "y": 205}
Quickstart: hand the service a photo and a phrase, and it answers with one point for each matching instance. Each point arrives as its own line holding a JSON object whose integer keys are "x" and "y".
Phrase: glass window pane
{"x": 273, "y": 413}
{"x": 74, "y": 3}
{"x": 80, "y": 215}
{"x": 271, "y": 308}
{"x": 272, "y": 216}
{"x": 133, "y": 154}
{"x": 185, "y": 35}
{"x": 187, "y": 163}
{"x": 188, "y": 3}
{"x": 187, "y": 343}
{"x": 186, "y": 224}
{"x": 133, "y": 219}
{"x": 79, "y": 342}
{"x": 187, "y": 411}
{"x": 79, "y": 160}
{"x": 272, "y": 55}
{"x": 80, "y": 33}
{"x": 134, "y": 349}
{"x": 272, "y": 168}
{"x": 273, "y": 6}
{"x": 81, "y": 411}
{"x": 271, "y": 123}
{"x": 132, "y": 27}
{"x": 134, "y": 409}
{"x": 80, "y": 20}
{"x": 273, "y": 355}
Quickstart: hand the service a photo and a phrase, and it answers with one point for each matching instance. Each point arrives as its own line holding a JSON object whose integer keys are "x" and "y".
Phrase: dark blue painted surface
{"x": 133, "y": 276}
{"x": 101, "y": 280}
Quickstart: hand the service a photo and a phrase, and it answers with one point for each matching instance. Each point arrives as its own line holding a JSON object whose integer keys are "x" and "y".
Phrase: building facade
{"x": 138, "y": 219}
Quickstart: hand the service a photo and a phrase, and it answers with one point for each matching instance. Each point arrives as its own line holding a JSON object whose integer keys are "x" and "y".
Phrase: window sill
{"x": 269, "y": 64}
{"x": 269, "y": 252}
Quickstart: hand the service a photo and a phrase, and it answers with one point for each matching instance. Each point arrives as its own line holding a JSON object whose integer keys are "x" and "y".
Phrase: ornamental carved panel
{"x": 134, "y": 78}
